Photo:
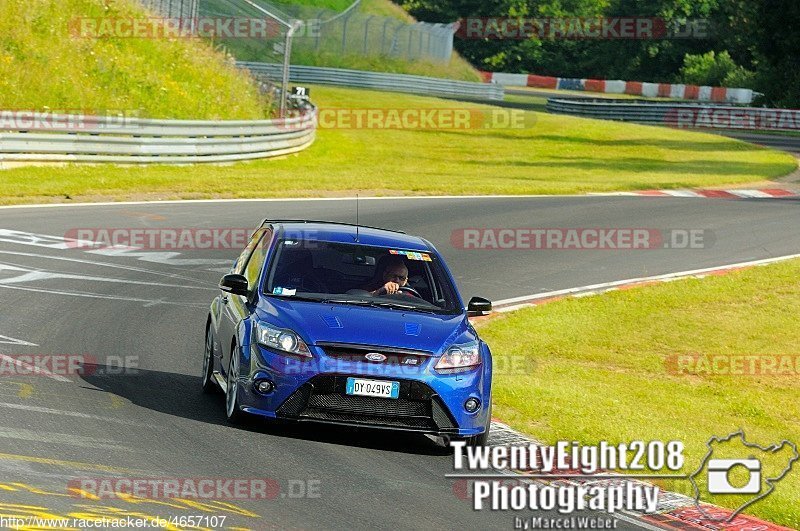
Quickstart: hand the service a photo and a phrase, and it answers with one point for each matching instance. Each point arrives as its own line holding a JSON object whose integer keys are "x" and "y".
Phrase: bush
{"x": 716, "y": 70}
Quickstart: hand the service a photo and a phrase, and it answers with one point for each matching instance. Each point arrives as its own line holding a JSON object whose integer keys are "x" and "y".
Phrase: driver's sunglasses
{"x": 401, "y": 278}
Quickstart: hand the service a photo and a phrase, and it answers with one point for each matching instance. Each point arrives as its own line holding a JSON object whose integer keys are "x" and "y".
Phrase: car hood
{"x": 339, "y": 323}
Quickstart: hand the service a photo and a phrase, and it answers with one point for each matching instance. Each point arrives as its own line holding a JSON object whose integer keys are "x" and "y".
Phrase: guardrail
{"x": 26, "y": 137}
{"x": 428, "y": 86}
{"x": 681, "y": 115}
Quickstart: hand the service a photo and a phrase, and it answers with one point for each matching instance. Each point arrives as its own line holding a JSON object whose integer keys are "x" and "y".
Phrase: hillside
{"x": 43, "y": 66}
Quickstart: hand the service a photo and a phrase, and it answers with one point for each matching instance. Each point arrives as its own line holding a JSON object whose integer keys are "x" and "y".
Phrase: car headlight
{"x": 281, "y": 339}
{"x": 460, "y": 357}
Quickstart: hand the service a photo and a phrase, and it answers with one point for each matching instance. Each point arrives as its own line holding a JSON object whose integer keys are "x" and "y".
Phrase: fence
{"x": 429, "y": 86}
{"x": 681, "y": 115}
{"x": 183, "y": 9}
{"x": 61, "y": 138}
{"x": 325, "y": 34}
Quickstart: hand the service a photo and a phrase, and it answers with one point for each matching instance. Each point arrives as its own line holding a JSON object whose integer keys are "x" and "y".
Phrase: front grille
{"x": 323, "y": 399}
{"x": 394, "y": 357}
{"x": 367, "y": 405}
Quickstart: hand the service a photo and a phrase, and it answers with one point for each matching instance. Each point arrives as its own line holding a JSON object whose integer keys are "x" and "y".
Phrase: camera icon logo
{"x": 719, "y": 476}
{"x": 749, "y": 477}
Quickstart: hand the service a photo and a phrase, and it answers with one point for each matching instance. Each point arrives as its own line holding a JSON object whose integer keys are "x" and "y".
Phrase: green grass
{"x": 600, "y": 368}
{"x": 334, "y": 5}
{"x": 457, "y": 68}
{"x": 43, "y": 67}
{"x": 383, "y": 8}
{"x": 552, "y": 155}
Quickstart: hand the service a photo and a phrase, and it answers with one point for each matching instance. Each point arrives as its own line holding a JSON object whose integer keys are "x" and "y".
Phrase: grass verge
{"x": 605, "y": 368}
{"x": 551, "y": 155}
{"x": 42, "y": 66}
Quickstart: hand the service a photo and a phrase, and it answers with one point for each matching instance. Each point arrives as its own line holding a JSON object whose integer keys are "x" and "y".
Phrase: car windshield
{"x": 343, "y": 273}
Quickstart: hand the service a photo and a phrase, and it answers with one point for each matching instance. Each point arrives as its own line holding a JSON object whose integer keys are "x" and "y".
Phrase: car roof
{"x": 347, "y": 233}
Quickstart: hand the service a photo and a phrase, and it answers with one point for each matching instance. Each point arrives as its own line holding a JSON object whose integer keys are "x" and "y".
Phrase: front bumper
{"x": 314, "y": 390}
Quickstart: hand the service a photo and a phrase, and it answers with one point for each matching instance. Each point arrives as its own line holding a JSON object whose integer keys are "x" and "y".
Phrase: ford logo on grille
{"x": 375, "y": 356}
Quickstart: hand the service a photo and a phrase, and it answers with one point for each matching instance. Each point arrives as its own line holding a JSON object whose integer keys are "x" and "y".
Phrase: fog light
{"x": 264, "y": 386}
{"x": 472, "y": 405}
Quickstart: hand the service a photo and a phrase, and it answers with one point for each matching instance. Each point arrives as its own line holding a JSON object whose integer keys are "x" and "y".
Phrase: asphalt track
{"x": 156, "y": 423}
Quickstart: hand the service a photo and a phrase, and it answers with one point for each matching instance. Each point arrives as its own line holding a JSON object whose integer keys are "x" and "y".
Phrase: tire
{"x": 483, "y": 439}
{"x": 477, "y": 441}
{"x": 209, "y": 385}
{"x": 232, "y": 411}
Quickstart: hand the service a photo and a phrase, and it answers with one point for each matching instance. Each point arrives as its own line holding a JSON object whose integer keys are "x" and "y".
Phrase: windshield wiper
{"x": 378, "y": 304}
{"x": 357, "y": 302}
{"x": 398, "y": 306}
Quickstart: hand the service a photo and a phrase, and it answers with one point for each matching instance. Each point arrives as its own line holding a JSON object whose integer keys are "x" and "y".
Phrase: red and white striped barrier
{"x": 638, "y": 88}
{"x": 736, "y": 193}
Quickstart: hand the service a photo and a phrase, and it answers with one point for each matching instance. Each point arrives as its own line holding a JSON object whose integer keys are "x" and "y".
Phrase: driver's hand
{"x": 390, "y": 288}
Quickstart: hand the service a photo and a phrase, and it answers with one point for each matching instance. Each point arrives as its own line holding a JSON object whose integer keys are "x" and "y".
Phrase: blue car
{"x": 348, "y": 325}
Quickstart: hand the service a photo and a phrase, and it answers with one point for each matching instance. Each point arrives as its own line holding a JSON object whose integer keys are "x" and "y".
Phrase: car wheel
{"x": 209, "y": 385}
{"x": 232, "y": 410}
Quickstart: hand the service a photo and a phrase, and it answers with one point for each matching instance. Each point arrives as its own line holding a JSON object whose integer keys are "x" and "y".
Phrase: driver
{"x": 395, "y": 276}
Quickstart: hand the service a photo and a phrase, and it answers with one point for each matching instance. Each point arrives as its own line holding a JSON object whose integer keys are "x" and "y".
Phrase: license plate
{"x": 379, "y": 388}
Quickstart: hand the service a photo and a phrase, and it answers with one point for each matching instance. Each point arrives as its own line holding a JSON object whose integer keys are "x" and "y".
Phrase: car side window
{"x": 239, "y": 265}
{"x": 256, "y": 260}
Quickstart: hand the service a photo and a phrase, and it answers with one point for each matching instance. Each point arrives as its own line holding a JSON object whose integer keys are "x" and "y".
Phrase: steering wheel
{"x": 410, "y": 291}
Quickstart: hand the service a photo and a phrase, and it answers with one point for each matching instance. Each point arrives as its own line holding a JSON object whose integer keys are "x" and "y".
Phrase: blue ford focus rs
{"x": 348, "y": 325}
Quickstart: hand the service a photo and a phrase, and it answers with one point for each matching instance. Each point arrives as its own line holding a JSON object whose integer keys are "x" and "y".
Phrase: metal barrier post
{"x": 366, "y": 33}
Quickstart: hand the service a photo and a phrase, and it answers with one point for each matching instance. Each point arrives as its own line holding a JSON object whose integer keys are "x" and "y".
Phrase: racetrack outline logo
{"x": 769, "y": 481}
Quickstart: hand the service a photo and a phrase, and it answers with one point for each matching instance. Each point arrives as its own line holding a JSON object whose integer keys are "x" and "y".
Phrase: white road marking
{"x": 332, "y": 199}
{"x": 62, "y": 243}
{"x": 514, "y": 303}
{"x": 41, "y": 240}
{"x": 158, "y": 257}
{"x": 33, "y": 369}
{"x": 284, "y": 199}
{"x": 682, "y": 193}
{"x": 182, "y": 304}
{"x": 750, "y": 193}
{"x": 30, "y": 275}
{"x": 114, "y": 266}
{"x": 12, "y": 341}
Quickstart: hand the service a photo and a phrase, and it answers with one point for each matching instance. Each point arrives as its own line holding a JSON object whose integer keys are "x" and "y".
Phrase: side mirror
{"x": 234, "y": 284}
{"x": 478, "y": 306}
